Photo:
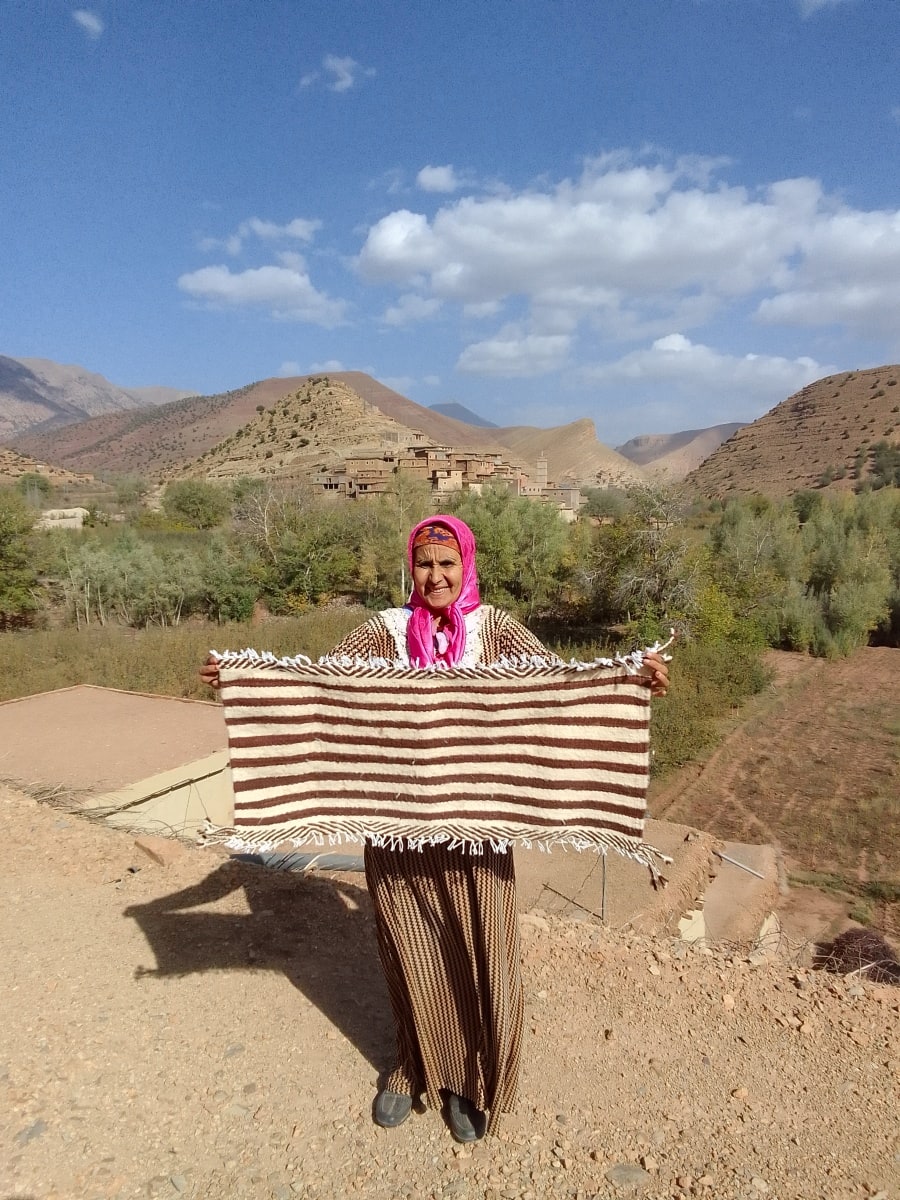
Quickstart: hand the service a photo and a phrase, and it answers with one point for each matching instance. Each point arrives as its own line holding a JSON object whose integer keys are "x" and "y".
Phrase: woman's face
{"x": 437, "y": 575}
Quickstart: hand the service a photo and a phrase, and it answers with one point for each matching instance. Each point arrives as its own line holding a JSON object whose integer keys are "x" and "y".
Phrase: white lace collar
{"x": 397, "y": 619}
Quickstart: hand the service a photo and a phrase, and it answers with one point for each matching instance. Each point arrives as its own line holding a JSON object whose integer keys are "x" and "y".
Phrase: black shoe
{"x": 467, "y": 1123}
{"x": 391, "y": 1109}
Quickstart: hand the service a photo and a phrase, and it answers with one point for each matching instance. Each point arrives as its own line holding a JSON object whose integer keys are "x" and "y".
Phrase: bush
{"x": 707, "y": 682}
{"x": 18, "y": 579}
{"x": 200, "y": 505}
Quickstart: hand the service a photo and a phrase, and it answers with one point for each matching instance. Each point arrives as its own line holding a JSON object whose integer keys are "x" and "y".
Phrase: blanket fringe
{"x": 631, "y": 663}
{"x": 350, "y": 833}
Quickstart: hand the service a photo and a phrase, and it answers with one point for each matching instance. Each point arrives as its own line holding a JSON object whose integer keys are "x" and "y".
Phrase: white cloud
{"x": 487, "y": 308}
{"x": 300, "y": 229}
{"x": 438, "y": 179}
{"x": 432, "y": 380}
{"x": 288, "y": 294}
{"x": 289, "y": 369}
{"x": 736, "y": 383}
{"x": 330, "y": 364}
{"x": 513, "y": 353}
{"x": 411, "y": 308}
{"x": 849, "y": 275}
{"x": 635, "y": 249}
{"x": 808, "y": 7}
{"x": 341, "y": 74}
{"x": 92, "y": 25}
{"x": 393, "y": 181}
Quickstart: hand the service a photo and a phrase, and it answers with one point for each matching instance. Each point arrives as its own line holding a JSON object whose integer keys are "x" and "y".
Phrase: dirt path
{"x": 813, "y": 768}
{"x": 209, "y": 1030}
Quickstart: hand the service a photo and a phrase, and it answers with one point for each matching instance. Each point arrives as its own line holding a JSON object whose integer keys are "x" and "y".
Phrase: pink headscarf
{"x": 420, "y": 630}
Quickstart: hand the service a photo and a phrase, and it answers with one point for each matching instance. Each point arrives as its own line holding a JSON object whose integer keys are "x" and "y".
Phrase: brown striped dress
{"x": 447, "y": 925}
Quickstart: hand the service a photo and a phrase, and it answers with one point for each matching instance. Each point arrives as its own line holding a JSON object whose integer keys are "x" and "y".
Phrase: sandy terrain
{"x": 206, "y": 1029}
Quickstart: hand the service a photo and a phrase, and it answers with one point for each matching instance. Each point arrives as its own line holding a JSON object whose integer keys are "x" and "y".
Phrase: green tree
{"x": 522, "y": 546}
{"x": 130, "y": 490}
{"x": 229, "y": 582}
{"x": 196, "y": 502}
{"x": 36, "y": 488}
{"x": 130, "y": 582}
{"x": 306, "y": 544}
{"x": 18, "y": 581}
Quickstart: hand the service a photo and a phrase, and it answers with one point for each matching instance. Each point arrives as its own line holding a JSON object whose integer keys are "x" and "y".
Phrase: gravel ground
{"x": 205, "y": 1029}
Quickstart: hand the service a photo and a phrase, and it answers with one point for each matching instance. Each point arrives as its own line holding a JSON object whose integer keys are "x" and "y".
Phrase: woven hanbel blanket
{"x": 344, "y": 750}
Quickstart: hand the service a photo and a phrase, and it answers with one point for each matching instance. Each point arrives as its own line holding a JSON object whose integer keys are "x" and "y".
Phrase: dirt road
{"x": 208, "y": 1030}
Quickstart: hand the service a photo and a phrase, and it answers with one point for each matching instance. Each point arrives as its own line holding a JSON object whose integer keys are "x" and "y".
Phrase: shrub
{"x": 199, "y": 504}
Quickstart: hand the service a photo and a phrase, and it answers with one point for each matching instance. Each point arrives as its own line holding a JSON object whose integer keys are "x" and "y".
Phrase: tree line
{"x": 817, "y": 573}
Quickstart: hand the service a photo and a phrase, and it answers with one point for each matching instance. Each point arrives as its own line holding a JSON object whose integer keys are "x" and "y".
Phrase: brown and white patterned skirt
{"x": 448, "y": 937}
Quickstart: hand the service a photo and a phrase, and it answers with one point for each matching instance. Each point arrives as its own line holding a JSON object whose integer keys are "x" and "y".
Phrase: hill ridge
{"x": 817, "y": 437}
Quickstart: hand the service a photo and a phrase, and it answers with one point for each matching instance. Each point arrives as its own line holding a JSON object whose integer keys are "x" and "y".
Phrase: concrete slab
{"x": 572, "y": 884}
{"x": 743, "y": 894}
{"x": 89, "y": 740}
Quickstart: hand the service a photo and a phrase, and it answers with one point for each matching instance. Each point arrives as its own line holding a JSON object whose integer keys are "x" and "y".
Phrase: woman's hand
{"x": 209, "y": 672}
{"x": 658, "y": 670}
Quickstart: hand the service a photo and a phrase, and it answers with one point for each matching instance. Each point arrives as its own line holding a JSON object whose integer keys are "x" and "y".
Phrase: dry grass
{"x": 159, "y": 661}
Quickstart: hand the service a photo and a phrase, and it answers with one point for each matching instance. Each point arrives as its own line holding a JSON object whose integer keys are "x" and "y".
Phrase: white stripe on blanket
{"x": 515, "y": 753}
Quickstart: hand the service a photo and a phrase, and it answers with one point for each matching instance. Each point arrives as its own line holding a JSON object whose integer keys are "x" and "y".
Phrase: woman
{"x": 446, "y": 920}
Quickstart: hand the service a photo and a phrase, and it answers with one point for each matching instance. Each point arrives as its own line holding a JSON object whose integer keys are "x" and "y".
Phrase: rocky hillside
{"x": 155, "y": 442}
{"x": 309, "y": 429}
{"x": 573, "y": 453}
{"x": 819, "y": 437}
{"x": 13, "y": 466}
{"x": 247, "y": 432}
{"x": 672, "y": 456}
{"x": 442, "y": 429}
{"x": 37, "y": 392}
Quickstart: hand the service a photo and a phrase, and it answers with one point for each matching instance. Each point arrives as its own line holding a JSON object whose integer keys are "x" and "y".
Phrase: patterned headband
{"x": 439, "y": 535}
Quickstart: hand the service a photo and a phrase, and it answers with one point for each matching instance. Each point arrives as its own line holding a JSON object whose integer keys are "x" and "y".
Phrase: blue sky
{"x": 661, "y": 214}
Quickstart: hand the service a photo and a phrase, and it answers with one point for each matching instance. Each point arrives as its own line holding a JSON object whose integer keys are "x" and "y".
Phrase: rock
{"x": 629, "y": 1175}
{"x": 34, "y": 1130}
{"x": 534, "y": 921}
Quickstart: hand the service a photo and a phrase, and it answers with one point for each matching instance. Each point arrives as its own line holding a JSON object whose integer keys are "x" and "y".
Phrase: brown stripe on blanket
{"x": 394, "y": 756}
{"x": 582, "y": 749}
{"x": 342, "y": 761}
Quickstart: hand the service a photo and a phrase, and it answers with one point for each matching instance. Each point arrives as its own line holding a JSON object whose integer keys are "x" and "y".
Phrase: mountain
{"x": 573, "y": 453}
{"x": 151, "y": 441}
{"x": 815, "y": 438}
{"x": 201, "y": 434}
{"x": 672, "y": 456}
{"x": 459, "y": 412}
{"x": 35, "y": 392}
{"x": 307, "y": 430}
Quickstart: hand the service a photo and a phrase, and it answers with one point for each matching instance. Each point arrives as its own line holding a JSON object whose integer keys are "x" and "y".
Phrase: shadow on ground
{"x": 320, "y": 933}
